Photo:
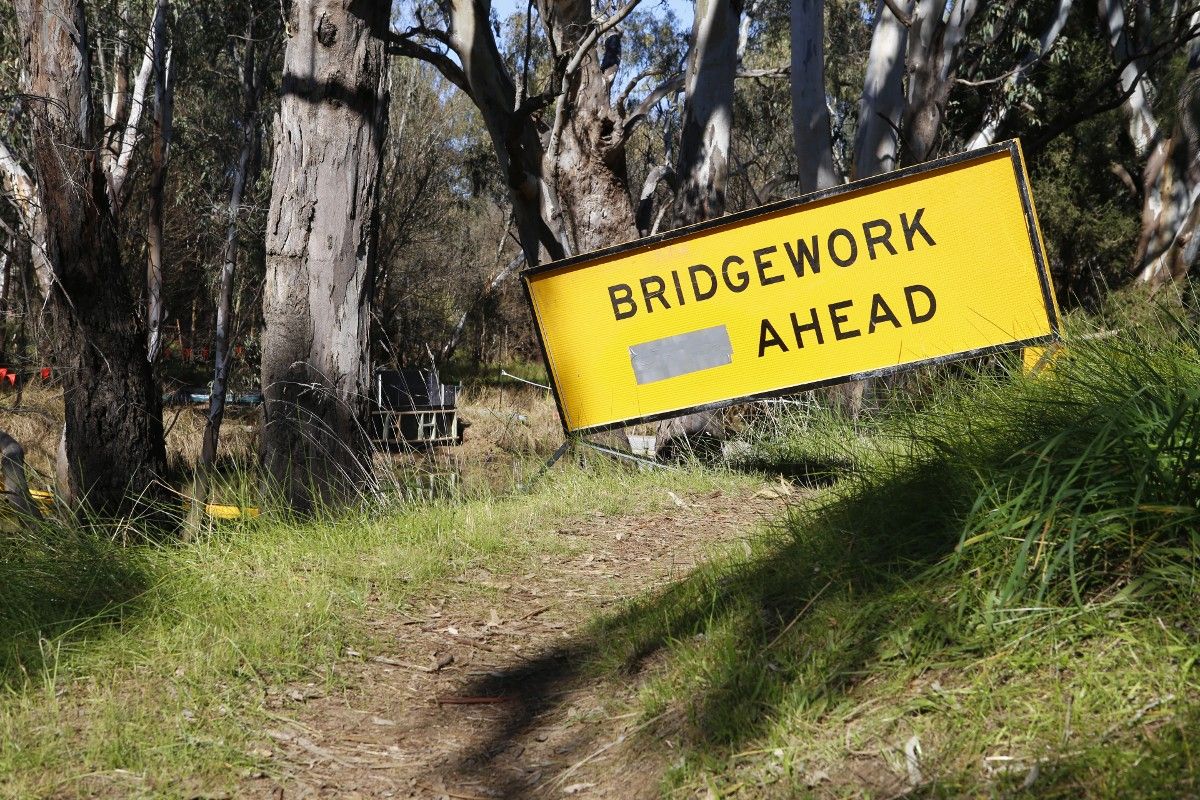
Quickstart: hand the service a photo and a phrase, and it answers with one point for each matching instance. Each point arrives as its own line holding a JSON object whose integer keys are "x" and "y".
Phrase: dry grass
{"x": 184, "y": 425}
{"x": 512, "y": 430}
{"x": 37, "y": 423}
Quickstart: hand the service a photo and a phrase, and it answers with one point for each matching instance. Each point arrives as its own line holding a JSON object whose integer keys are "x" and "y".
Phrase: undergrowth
{"x": 148, "y": 670}
{"x": 998, "y": 595}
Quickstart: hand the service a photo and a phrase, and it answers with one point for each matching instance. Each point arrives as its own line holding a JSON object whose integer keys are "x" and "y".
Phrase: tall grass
{"x": 1031, "y": 541}
{"x": 151, "y": 670}
{"x": 1070, "y": 485}
{"x": 1082, "y": 481}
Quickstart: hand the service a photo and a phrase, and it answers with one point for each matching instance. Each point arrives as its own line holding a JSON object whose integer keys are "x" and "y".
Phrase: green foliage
{"x": 149, "y": 671}
{"x": 59, "y": 581}
{"x": 1019, "y": 551}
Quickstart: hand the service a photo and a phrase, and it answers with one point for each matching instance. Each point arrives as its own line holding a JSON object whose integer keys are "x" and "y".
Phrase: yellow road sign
{"x": 940, "y": 261}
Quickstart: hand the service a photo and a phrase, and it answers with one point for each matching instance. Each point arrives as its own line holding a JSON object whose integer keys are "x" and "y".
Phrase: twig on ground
{"x": 796, "y": 618}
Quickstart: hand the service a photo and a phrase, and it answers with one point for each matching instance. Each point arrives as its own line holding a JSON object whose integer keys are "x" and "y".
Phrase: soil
{"x": 485, "y": 692}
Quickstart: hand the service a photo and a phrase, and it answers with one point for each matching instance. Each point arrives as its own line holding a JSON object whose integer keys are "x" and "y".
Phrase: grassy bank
{"x": 143, "y": 671}
{"x": 989, "y": 589}
{"x": 997, "y": 597}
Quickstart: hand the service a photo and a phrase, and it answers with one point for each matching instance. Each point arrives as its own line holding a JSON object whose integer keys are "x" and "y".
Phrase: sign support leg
{"x": 619, "y": 455}
{"x": 574, "y": 442}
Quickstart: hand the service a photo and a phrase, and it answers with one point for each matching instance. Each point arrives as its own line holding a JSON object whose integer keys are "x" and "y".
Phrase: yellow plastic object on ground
{"x": 1040, "y": 360}
{"x": 44, "y": 500}
{"x": 226, "y": 511}
{"x": 45, "y": 503}
{"x": 219, "y": 511}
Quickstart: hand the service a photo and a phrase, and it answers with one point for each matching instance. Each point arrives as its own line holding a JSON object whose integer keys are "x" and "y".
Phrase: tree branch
{"x": 903, "y": 16}
{"x": 562, "y": 74}
{"x": 118, "y": 168}
{"x": 602, "y": 27}
{"x": 1086, "y": 111}
{"x": 399, "y": 44}
{"x": 668, "y": 87}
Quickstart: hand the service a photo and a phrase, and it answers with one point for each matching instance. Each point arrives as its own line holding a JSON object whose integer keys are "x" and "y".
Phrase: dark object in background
{"x": 697, "y": 435}
{"x": 414, "y": 408}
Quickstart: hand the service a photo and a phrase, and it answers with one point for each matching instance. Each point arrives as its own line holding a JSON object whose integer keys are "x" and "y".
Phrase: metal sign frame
{"x": 1012, "y": 147}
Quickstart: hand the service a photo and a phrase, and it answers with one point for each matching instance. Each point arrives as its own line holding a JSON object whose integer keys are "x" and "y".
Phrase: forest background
{"x": 492, "y": 138}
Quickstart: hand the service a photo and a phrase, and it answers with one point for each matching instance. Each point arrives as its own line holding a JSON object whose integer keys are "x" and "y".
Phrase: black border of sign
{"x": 1012, "y": 147}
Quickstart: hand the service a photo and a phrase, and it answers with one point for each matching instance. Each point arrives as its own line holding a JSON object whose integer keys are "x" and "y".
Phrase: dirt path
{"x": 484, "y": 697}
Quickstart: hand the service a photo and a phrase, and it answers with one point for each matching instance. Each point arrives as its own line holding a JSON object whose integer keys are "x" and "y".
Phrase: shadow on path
{"x": 58, "y": 580}
{"x": 819, "y": 599}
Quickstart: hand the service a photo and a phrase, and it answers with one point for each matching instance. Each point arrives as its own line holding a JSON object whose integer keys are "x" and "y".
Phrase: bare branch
{"x": 771, "y": 72}
{"x": 633, "y": 83}
{"x": 903, "y": 16}
{"x": 118, "y": 169}
{"x": 671, "y": 86}
{"x": 399, "y": 44}
{"x": 602, "y": 27}
{"x": 660, "y": 174}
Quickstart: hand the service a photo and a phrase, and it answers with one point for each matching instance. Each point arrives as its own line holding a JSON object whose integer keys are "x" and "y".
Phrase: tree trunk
{"x": 877, "y": 141}
{"x": 586, "y": 161}
{"x": 20, "y": 187}
{"x": 120, "y": 165}
{"x": 1168, "y": 242}
{"x": 935, "y": 40}
{"x": 252, "y": 81}
{"x": 321, "y": 250}
{"x": 164, "y": 100}
{"x": 810, "y": 110}
{"x": 567, "y": 180}
{"x": 1139, "y": 115}
{"x": 484, "y": 77}
{"x": 708, "y": 112}
{"x": 876, "y": 144}
{"x": 113, "y": 437}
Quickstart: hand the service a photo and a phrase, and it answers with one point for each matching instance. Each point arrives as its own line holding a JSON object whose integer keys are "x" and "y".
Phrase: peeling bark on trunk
{"x": 586, "y": 161}
{"x": 810, "y": 111}
{"x": 1139, "y": 116}
{"x": 566, "y": 176}
{"x": 321, "y": 250}
{"x": 113, "y": 437}
{"x": 876, "y": 145}
{"x": 1168, "y": 242}
{"x": 708, "y": 112}
{"x": 23, "y": 191}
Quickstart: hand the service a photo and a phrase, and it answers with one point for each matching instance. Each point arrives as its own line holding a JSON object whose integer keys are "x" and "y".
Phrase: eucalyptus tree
{"x": 704, "y": 155}
{"x": 122, "y": 92}
{"x": 113, "y": 439}
{"x": 321, "y": 243}
{"x": 1168, "y": 244}
{"x": 562, "y": 145}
